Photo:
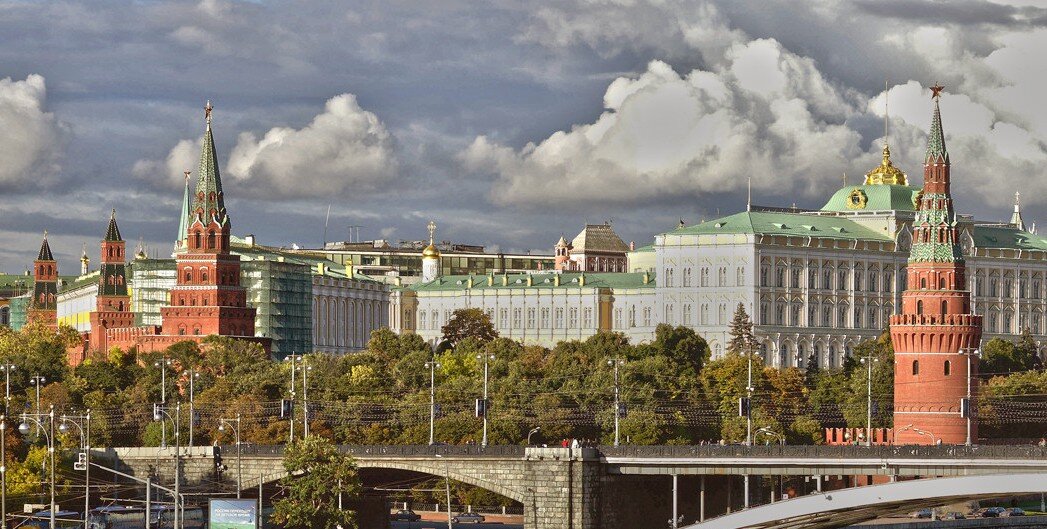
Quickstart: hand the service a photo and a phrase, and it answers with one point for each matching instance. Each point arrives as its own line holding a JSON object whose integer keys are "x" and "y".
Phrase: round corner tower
{"x": 935, "y": 331}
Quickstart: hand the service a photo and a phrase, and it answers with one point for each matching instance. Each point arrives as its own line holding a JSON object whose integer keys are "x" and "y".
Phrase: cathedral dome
{"x": 886, "y": 172}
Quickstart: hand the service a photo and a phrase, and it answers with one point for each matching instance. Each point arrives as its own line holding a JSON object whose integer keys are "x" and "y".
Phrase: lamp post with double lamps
{"x": 83, "y": 425}
{"x": 968, "y": 408}
{"x": 293, "y": 358}
{"x": 235, "y": 425}
{"x": 37, "y": 380}
{"x": 49, "y": 433}
{"x": 173, "y": 413}
{"x": 934, "y": 440}
{"x": 617, "y": 363}
{"x": 766, "y": 430}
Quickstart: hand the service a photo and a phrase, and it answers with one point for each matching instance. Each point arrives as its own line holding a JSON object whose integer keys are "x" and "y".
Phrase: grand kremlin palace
{"x": 816, "y": 282}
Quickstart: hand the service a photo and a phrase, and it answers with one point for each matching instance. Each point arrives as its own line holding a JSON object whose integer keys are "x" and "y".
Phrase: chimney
{"x": 249, "y": 239}
{"x": 632, "y": 246}
{"x": 490, "y": 279}
{"x": 646, "y": 277}
{"x": 530, "y": 280}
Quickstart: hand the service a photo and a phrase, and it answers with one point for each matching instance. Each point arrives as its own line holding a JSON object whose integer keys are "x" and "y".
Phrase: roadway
{"x": 430, "y": 524}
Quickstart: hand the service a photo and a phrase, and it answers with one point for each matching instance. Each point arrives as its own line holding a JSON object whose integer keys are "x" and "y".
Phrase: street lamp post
{"x": 970, "y": 353}
{"x": 7, "y": 386}
{"x": 869, "y": 361}
{"x": 485, "y": 358}
{"x": 294, "y": 359}
{"x": 447, "y": 487}
{"x": 85, "y": 443}
{"x": 222, "y": 422}
{"x": 305, "y": 399}
{"x": 159, "y": 414}
{"x": 934, "y": 440}
{"x": 162, "y": 363}
{"x": 617, "y": 362}
{"x": 766, "y": 430}
{"x": 3, "y": 470}
{"x": 432, "y": 365}
{"x": 193, "y": 375}
{"x": 533, "y": 431}
{"x": 37, "y": 419}
{"x": 37, "y": 380}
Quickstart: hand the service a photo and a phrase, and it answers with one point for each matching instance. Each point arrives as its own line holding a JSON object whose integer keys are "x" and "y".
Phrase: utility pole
{"x": 868, "y": 361}
{"x": 305, "y": 400}
{"x": 7, "y": 387}
{"x": 432, "y": 365}
{"x": 193, "y": 375}
{"x": 3, "y": 471}
{"x": 968, "y": 410}
{"x": 293, "y": 359}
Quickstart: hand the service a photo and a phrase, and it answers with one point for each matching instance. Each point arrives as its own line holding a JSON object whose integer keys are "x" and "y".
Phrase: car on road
{"x": 992, "y": 512}
{"x": 953, "y": 516}
{"x": 1013, "y": 511}
{"x": 468, "y": 517}
{"x": 405, "y": 515}
{"x": 922, "y": 513}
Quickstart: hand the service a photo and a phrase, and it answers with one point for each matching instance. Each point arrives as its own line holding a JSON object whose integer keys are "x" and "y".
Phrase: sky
{"x": 505, "y": 122}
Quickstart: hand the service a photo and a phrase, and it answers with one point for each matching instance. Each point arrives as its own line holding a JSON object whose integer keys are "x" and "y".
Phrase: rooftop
{"x": 781, "y": 223}
{"x": 538, "y": 280}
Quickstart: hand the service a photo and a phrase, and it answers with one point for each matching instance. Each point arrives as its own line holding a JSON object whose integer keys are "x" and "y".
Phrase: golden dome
{"x": 886, "y": 172}
{"x": 430, "y": 252}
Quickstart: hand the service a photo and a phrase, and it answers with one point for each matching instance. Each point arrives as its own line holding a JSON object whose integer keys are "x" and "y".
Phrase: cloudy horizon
{"x": 507, "y": 124}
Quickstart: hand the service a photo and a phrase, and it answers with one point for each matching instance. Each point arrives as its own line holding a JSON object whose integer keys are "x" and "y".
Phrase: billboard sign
{"x": 233, "y": 514}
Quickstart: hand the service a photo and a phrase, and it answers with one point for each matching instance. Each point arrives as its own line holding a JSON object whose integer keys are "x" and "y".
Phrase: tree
{"x": 469, "y": 323}
{"x": 742, "y": 338}
{"x": 317, "y": 474}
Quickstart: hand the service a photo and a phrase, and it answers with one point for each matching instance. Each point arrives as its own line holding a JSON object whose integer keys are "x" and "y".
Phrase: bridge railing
{"x": 830, "y": 452}
{"x": 393, "y": 450}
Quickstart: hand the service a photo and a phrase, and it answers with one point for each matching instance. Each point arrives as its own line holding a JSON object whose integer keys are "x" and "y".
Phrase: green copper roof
{"x": 209, "y": 202}
{"x": 45, "y": 251}
{"x": 547, "y": 281}
{"x": 644, "y": 249}
{"x": 1007, "y": 237}
{"x": 876, "y": 197}
{"x": 183, "y": 219}
{"x": 112, "y": 233}
{"x": 780, "y": 223}
{"x": 936, "y": 140}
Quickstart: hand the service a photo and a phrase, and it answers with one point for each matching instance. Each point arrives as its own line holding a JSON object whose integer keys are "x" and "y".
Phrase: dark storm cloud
{"x": 126, "y": 82}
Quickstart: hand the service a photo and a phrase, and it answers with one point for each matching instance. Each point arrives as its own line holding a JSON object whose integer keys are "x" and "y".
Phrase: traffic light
{"x": 219, "y": 467}
{"x": 481, "y": 408}
{"x": 744, "y": 407}
{"x": 196, "y": 418}
{"x": 286, "y": 408}
{"x": 622, "y": 410}
{"x": 436, "y": 409}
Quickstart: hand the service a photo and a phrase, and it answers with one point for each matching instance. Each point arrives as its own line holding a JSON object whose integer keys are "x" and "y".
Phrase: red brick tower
{"x": 43, "y": 307}
{"x": 113, "y": 305}
{"x": 207, "y": 298}
{"x": 935, "y": 326}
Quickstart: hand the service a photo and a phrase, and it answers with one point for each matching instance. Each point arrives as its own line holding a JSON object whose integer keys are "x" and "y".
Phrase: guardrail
{"x": 831, "y": 452}
{"x": 515, "y": 451}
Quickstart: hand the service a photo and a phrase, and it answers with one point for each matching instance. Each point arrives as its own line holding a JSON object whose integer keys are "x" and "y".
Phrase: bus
{"x": 161, "y": 517}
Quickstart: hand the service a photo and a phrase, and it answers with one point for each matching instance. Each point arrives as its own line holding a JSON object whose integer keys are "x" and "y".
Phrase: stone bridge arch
{"x": 485, "y": 476}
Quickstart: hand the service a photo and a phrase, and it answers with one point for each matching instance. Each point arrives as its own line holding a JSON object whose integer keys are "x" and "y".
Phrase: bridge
{"x": 621, "y": 487}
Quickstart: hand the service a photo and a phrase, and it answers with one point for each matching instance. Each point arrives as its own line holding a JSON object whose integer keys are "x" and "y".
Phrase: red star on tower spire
{"x": 936, "y": 91}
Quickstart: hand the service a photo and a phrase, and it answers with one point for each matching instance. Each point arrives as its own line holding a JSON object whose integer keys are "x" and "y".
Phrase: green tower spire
{"x": 184, "y": 215}
{"x": 209, "y": 202}
{"x": 936, "y": 151}
{"x": 112, "y": 233}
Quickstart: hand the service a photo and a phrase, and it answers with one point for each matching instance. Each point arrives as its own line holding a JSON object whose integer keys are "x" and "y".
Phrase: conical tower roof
{"x": 936, "y": 152}
{"x": 185, "y": 214}
{"x": 112, "y": 233}
{"x": 45, "y": 251}
{"x": 209, "y": 202}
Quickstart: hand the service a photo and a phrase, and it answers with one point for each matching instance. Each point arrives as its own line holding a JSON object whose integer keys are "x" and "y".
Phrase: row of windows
{"x": 870, "y": 281}
{"x": 531, "y": 318}
{"x": 669, "y": 277}
{"x": 871, "y": 317}
{"x": 993, "y": 289}
{"x": 946, "y": 368}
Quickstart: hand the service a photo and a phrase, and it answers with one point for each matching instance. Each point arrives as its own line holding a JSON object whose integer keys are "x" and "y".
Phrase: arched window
{"x": 203, "y": 275}
{"x": 945, "y": 307}
{"x": 919, "y": 306}
{"x": 948, "y": 368}
{"x": 941, "y": 283}
{"x": 923, "y": 282}
{"x": 188, "y": 275}
{"x": 210, "y": 240}
{"x": 916, "y": 367}
{"x": 196, "y": 240}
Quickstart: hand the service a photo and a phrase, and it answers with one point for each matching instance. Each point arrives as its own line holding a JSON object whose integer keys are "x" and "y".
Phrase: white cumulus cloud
{"x": 29, "y": 136}
{"x": 343, "y": 148}
{"x": 767, "y": 113}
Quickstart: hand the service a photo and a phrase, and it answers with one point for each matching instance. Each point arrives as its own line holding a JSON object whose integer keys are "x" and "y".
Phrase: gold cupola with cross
{"x": 886, "y": 172}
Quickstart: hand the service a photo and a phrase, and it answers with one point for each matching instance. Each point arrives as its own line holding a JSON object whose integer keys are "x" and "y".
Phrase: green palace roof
{"x": 1007, "y": 237}
{"x": 539, "y": 281}
{"x": 782, "y": 223}
{"x": 876, "y": 197}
